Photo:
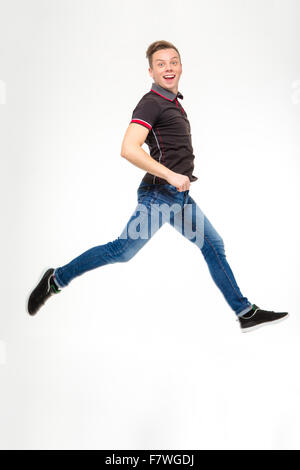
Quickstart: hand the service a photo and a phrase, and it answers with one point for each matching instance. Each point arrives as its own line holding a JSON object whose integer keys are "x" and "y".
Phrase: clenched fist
{"x": 181, "y": 182}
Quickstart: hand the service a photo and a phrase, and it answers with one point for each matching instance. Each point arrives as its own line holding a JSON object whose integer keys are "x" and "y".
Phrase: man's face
{"x": 166, "y": 63}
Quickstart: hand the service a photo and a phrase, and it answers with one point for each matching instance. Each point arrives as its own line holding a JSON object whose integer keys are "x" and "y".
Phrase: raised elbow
{"x": 129, "y": 151}
{"x": 126, "y": 151}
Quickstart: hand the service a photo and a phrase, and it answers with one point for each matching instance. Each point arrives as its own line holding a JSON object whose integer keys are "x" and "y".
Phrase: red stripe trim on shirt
{"x": 180, "y": 106}
{"x": 161, "y": 95}
{"x": 143, "y": 123}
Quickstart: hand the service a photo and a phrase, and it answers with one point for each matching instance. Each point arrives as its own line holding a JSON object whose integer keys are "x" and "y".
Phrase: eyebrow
{"x": 163, "y": 60}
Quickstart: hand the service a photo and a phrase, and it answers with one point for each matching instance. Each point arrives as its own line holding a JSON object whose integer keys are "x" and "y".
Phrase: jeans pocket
{"x": 144, "y": 193}
{"x": 141, "y": 196}
{"x": 173, "y": 188}
{"x": 170, "y": 187}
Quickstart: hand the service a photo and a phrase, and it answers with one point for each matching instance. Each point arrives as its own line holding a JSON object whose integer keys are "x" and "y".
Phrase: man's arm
{"x": 131, "y": 149}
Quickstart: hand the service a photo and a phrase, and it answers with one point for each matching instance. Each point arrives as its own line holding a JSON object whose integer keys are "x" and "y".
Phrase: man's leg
{"x": 136, "y": 233}
{"x": 195, "y": 226}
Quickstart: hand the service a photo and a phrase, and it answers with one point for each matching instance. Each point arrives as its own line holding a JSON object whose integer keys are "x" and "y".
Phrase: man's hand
{"x": 181, "y": 182}
{"x": 132, "y": 150}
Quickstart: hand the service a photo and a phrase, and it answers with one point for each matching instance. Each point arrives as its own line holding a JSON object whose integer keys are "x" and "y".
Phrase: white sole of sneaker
{"x": 251, "y": 328}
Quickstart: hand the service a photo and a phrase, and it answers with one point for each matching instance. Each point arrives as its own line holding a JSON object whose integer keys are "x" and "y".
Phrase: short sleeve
{"x": 146, "y": 113}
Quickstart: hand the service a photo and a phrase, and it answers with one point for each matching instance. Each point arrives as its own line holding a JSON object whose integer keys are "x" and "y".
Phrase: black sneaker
{"x": 45, "y": 288}
{"x": 258, "y": 317}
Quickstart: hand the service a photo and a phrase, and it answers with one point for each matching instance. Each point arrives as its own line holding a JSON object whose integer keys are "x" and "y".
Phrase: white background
{"x": 148, "y": 354}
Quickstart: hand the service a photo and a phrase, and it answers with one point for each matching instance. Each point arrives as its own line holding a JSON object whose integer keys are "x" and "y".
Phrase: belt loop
{"x": 185, "y": 196}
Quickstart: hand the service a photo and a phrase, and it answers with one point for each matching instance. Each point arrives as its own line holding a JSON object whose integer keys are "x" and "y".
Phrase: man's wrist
{"x": 166, "y": 173}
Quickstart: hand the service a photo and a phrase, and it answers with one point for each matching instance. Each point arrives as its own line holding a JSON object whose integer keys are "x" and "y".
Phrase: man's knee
{"x": 218, "y": 244}
{"x": 213, "y": 246}
{"x": 125, "y": 256}
{"x": 121, "y": 250}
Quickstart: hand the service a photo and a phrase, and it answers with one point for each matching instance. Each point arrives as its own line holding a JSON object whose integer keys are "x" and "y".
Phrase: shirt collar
{"x": 169, "y": 95}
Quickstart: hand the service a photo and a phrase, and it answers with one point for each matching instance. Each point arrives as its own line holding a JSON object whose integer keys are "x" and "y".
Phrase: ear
{"x": 150, "y": 72}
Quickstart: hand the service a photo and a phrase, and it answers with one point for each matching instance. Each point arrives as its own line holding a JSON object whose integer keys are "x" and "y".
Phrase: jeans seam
{"x": 221, "y": 264}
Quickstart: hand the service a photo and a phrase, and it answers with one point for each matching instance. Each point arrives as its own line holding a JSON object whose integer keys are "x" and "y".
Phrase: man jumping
{"x": 160, "y": 121}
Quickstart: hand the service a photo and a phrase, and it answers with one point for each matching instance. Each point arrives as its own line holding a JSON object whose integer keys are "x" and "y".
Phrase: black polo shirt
{"x": 169, "y": 139}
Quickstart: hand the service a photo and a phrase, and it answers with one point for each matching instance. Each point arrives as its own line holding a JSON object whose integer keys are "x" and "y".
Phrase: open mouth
{"x": 169, "y": 78}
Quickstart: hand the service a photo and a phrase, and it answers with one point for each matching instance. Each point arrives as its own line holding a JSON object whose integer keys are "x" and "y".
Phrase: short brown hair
{"x": 157, "y": 46}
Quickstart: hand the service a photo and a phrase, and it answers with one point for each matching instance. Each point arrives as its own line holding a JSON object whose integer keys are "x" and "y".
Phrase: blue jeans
{"x": 158, "y": 204}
